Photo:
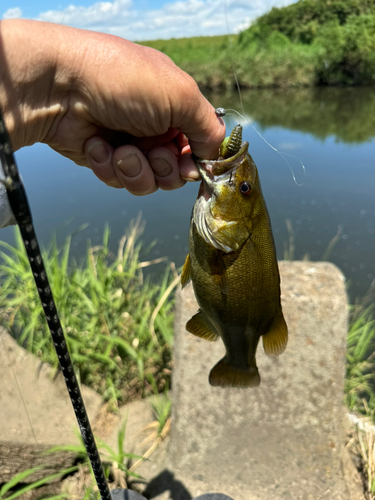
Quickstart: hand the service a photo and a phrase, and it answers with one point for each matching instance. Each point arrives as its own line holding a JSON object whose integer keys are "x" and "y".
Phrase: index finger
{"x": 195, "y": 117}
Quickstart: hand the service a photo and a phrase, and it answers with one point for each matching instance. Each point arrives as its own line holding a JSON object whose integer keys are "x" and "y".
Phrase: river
{"x": 331, "y": 131}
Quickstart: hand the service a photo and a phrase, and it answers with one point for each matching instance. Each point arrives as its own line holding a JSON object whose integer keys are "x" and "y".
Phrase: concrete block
{"x": 34, "y": 408}
{"x": 283, "y": 439}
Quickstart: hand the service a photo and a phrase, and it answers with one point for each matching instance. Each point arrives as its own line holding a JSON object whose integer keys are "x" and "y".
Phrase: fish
{"x": 232, "y": 265}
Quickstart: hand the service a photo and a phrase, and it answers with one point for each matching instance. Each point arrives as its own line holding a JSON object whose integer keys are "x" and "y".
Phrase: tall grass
{"x": 106, "y": 307}
{"x": 360, "y": 373}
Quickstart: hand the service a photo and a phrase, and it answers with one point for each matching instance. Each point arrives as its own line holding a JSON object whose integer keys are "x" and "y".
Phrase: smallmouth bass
{"x": 233, "y": 267}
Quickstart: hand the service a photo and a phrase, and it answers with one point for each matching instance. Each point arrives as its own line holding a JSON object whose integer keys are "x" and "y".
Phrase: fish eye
{"x": 246, "y": 188}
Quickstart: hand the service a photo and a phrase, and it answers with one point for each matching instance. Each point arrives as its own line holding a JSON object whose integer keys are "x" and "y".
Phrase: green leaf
{"x": 18, "y": 478}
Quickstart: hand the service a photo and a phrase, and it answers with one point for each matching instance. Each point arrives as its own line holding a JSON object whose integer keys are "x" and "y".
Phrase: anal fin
{"x": 225, "y": 375}
{"x": 276, "y": 339}
{"x": 200, "y": 326}
{"x": 185, "y": 275}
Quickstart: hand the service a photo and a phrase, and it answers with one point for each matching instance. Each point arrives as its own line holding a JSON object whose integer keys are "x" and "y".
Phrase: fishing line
{"x": 281, "y": 153}
{"x": 231, "y": 58}
{"x": 222, "y": 112}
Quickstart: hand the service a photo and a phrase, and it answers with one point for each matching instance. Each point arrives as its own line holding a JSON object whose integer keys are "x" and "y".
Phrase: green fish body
{"x": 233, "y": 267}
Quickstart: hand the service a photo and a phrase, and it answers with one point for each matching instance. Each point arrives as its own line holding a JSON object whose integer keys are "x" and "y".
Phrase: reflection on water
{"x": 348, "y": 114}
{"x": 330, "y": 130}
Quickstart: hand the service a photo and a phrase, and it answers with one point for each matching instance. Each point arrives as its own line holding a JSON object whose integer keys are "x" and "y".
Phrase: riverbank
{"x": 308, "y": 43}
{"x": 214, "y": 62}
{"x": 119, "y": 323}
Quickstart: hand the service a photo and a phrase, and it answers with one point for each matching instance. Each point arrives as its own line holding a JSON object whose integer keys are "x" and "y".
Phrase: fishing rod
{"x": 18, "y": 201}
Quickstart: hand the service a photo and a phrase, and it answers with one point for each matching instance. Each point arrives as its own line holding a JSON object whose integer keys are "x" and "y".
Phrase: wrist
{"x": 31, "y": 84}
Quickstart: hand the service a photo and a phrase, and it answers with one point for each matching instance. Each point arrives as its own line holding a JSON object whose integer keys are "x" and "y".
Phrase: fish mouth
{"x": 214, "y": 174}
{"x": 213, "y": 171}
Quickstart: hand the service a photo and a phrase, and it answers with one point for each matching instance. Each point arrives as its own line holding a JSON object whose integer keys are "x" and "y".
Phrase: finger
{"x": 146, "y": 143}
{"x": 164, "y": 164}
{"x": 134, "y": 171}
{"x": 195, "y": 117}
{"x": 182, "y": 140}
{"x": 99, "y": 156}
{"x": 188, "y": 169}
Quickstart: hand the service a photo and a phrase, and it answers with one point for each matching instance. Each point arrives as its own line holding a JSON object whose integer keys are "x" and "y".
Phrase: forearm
{"x": 32, "y": 83}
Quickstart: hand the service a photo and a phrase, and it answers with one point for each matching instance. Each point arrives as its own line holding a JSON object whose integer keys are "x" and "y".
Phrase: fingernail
{"x": 160, "y": 166}
{"x": 130, "y": 165}
{"x": 187, "y": 179}
{"x": 98, "y": 152}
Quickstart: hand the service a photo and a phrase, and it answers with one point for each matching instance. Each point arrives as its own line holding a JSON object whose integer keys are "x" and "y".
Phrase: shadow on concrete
{"x": 166, "y": 481}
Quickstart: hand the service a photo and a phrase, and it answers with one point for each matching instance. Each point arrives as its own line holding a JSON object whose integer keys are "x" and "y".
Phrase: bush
{"x": 347, "y": 53}
{"x": 300, "y": 21}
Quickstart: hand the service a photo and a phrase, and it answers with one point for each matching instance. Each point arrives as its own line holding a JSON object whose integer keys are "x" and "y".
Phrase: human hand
{"x": 126, "y": 111}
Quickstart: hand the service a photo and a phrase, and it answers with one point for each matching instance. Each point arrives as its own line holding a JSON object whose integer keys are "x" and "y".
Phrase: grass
{"x": 361, "y": 447}
{"x": 360, "y": 373}
{"x": 118, "y": 324}
{"x": 15, "y": 488}
{"x": 211, "y": 61}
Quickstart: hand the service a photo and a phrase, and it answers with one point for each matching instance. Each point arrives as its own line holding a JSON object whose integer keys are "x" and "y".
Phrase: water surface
{"x": 330, "y": 130}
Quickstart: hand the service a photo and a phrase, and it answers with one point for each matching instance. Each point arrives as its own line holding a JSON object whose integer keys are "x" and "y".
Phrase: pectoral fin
{"x": 200, "y": 326}
{"x": 276, "y": 339}
{"x": 224, "y": 283}
{"x": 185, "y": 275}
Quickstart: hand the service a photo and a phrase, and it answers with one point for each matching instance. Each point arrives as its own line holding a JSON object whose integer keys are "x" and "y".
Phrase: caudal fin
{"x": 225, "y": 375}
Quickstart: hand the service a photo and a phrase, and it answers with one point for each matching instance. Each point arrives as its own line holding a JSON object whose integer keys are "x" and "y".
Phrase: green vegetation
{"x": 307, "y": 43}
{"x": 118, "y": 324}
{"x": 360, "y": 374}
{"x": 15, "y": 488}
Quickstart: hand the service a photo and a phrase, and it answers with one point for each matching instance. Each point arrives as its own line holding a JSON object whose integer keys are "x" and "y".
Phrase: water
{"x": 332, "y": 131}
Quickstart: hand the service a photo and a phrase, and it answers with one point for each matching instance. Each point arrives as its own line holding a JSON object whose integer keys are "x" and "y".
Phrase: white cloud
{"x": 13, "y": 13}
{"x": 98, "y": 15}
{"x": 181, "y": 18}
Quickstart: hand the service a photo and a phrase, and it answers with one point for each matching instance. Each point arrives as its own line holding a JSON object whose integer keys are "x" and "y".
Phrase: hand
{"x": 125, "y": 110}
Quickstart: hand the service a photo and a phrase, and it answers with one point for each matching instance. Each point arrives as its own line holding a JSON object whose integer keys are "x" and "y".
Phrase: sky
{"x": 139, "y": 20}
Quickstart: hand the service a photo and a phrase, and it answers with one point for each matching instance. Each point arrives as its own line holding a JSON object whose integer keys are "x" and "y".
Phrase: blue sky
{"x": 145, "y": 19}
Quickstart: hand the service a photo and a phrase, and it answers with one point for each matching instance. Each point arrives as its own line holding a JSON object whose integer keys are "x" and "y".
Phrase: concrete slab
{"x": 283, "y": 439}
{"x": 34, "y": 409}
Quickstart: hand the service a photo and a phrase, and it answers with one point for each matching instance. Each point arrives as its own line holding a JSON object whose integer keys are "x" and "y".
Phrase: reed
{"x": 107, "y": 311}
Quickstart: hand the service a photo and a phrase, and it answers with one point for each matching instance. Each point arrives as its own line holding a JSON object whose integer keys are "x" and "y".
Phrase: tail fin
{"x": 225, "y": 375}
